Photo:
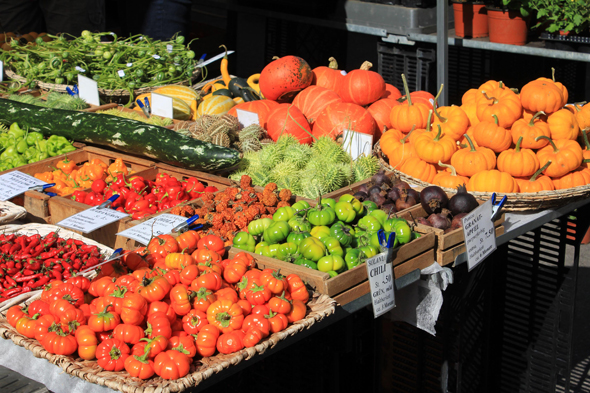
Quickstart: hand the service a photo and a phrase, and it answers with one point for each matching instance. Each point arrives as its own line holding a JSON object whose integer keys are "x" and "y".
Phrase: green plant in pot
{"x": 563, "y": 16}
{"x": 508, "y": 21}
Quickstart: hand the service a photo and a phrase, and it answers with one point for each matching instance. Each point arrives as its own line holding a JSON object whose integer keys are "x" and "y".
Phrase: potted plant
{"x": 562, "y": 17}
{"x": 471, "y": 19}
{"x": 508, "y": 21}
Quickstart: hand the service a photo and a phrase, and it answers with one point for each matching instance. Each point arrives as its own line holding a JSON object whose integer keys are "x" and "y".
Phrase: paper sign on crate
{"x": 162, "y": 105}
{"x": 92, "y": 219}
{"x": 163, "y": 224}
{"x": 480, "y": 234}
{"x": 15, "y": 183}
{"x": 380, "y": 276}
{"x": 88, "y": 90}
{"x": 357, "y": 143}
{"x": 247, "y": 118}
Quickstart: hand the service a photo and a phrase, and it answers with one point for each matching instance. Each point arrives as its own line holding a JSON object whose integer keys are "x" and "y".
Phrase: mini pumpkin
{"x": 530, "y": 130}
{"x": 419, "y": 169}
{"x": 576, "y": 178}
{"x": 559, "y": 85}
{"x": 329, "y": 77}
{"x": 537, "y": 96}
{"x": 518, "y": 162}
{"x": 472, "y": 160}
{"x": 449, "y": 179}
{"x": 390, "y": 140}
{"x": 503, "y": 103}
{"x": 565, "y": 155}
{"x": 563, "y": 125}
{"x": 402, "y": 152}
{"x": 492, "y": 181}
{"x": 492, "y": 135}
{"x": 409, "y": 115}
{"x": 582, "y": 115}
{"x": 433, "y": 148}
{"x": 536, "y": 183}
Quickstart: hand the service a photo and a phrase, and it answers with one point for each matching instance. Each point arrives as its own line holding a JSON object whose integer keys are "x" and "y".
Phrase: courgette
{"x": 126, "y": 135}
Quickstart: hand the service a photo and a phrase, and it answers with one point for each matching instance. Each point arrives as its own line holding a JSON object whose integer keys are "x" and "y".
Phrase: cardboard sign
{"x": 247, "y": 118}
{"x": 162, "y": 105}
{"x": 480, "y": 234}
{"x": 92, "y": 219}
{"x": 381, "y": 281}
{"x": 161, "y": 225}
{"x": 16, "y": 183}
{"x": 357, "y": 143}
{"x": 88, "y": 89}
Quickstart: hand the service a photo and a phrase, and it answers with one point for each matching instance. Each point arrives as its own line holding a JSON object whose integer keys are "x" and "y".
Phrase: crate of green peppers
{"x": 20, "y": 147}
{"x": 331, "y": 241}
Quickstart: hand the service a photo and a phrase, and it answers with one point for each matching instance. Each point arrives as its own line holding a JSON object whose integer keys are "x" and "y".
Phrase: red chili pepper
{"x": 42, "y": 281}
{"x": 58, "y": 267}
{"x": 56, "y": 274}
{"x": 49, "y": 254}
{"x": 18, "y": 265}
{"x": 66, "y": 265}
{"x": 27, "y": 278}
{"x": 11, "y": 271}
{"x": 27, "y": 272}
{"x": 33, "y": 265}
{"x": 17, "y": 275}
{"x": 22, "y": 256}
{"x": 10, "y": 281}
{"x": 15, "y": 247}
{"x": 12, "y": 292}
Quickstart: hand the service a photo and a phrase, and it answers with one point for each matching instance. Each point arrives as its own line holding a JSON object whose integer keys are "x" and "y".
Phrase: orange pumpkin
{"x": 313, "y": 99}
{"x": 559, "y": 85}
{"x": 340, "y": 116}
{"x": 563, "y": 125}
{"x": 419, "y": 169}
{"x": 402, "y": 152}
{"x": 433, "y": 148}
{"x": 492, "y": 181}
{"x": 530, "y": 130}
{"x": 518, "y": 162}
{"x": 448, "y": 180}
{"x": 565, "y": 155}
{"x": 329, "y": 77}
{"x": 419, "y": 131}
{"x": 391, "y": 92}
{"x": 537, "y": 96}
{"x": 469, "y": 96}
{"x": 260, "y": 107}
{"x": 287, "y": 119}
{"x": 380, "y": 111}
{"x": 470, "y": 109}
{"x": 490, "y": 134}
{"x": 362, "y": 86}
{"x": 453, "y": 121}
{"x": 576, "y": 178}
{"x": 472, "y": 160}
{"x": 582, "y": 115}
{"x": 528, "y": 115}
{"x": 463, "y": 143}
{"x": 491, "y": 85}
{"x": 408, "y": 115}
{"x": 503, "y": 103}
{"x": 390, "y": 140}
{"x": 283, "y": 78}
{"x": 536, "y": 183}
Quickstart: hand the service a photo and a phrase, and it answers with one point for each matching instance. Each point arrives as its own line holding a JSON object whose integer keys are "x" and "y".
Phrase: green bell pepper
{"x": 284, "y": 213}
{"x": 9, "y": 153}
{"x": 306, "y": 263}
{"x": 331, "y": 262}
{"x": 30, "y": 153}
{"x": 257, "y": 227}
{"x": 345, "y": 212}
{"x": 369, "y": 251}
{"x": 320, "y": 232}
{"x": 312, "y": 249}
{"x": 288, "y": 252}
{"x": 321, "y": 215}
{"x": 344, "y": 233}
{"x": 389, "y": 224}
{"x": 403, "y": 232}
{"x": 21, "y": 145}
{"x": 259, "y": 245}
{"x": 333, "y": 246}
{"x": 297, "y": 236}
{"x": 244, "y": 241}
{"x": 16, "y": 131}
{"x": 370, "y": 206}
{"x": 32, "y": 137}
{"x": 277, "y": 232}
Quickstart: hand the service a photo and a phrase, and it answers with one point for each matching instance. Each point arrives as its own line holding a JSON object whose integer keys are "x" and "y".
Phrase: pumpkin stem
{"x": 442, "y": 119}
{"x": 585, "y": 137}
{"x": 535, "y": 117}
{"x": 404, "y": 139}
{"x": 333, "y": 63}
{"x": 438, "y": 136}
{"x": 489, "y": 98}
{"x": 553, "y": 74}
{"x": 555, "y": 149}
{"x": 534, "y": 177}
{"x": 501, "y": 84}
{"x": 578, "y": 104}
{"x": 407, "y": 90}
{"x": 429, "y": 121}
{"x": 495, "y": 119}
{"x": 366, "y": 66}
{"x": 275, "y": 57}
{"x": 224, "y": 47}
{"x": 470, "y": 142}
{"x": 453, "y": 170}
{"x": 517, "y": 148}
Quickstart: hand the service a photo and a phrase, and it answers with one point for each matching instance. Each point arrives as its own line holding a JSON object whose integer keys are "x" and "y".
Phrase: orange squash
{"x": 565, "y": 155}
{"x": 537, "y": 96}
{"x": 380, "y": 111}
{"x": 559, "y": 85}
{"x": 492, "y": 181}
{"x": 329, "y": 77}
{"x": 503, "y": 103}
{"x": 472, "y": 160}
{"x": 406, "y": 116}
{"x": 340, "y": 116}
{"x": 576, "y": 178}
{"x": 563, "y": 125}
{"x": 362, "y": 86}
{"x": 530, "y": 130}
{"x": 313, "y": 99}
{"x": 434, "y": 148}
{"x": 518, "y": 162}
{"x": 492, "y": 135}
{"x": 419, "y": 169}
{"x": 287, "y": 119}
{"x": 401, "y": 152}
{"x": 283, "y": 78}
{"x": 390, "y": 140}
{"x": 536, "y": 183}
{"x": 449, "y": 180}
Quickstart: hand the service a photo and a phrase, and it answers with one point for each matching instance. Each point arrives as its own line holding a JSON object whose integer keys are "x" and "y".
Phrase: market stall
{"x": 249, "y": 213}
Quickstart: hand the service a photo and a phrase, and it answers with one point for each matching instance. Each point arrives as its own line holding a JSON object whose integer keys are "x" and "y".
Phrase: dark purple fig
{"x": 361, "y": 196}
{"x": 374, "y": 190}
{"x": 393, "y": 194}
{"x": 378, "y": 199}
{"x": 462, "y": 201}
{"x": 457, "y": 221}
{"x": 440, "y": 220}
{"x": 403, "y": 203}
{"x": 389, "y": 206}
{"x": 433, "y": 199}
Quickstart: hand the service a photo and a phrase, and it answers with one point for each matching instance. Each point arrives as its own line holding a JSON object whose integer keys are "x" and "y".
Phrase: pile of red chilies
{"x": 29, "y": 262}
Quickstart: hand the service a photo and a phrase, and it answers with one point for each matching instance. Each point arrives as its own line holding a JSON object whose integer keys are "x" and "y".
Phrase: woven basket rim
{"x": 516, "y": 202}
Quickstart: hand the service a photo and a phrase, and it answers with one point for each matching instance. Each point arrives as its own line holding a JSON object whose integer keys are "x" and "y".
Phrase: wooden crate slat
{"x": 446, "y": 257}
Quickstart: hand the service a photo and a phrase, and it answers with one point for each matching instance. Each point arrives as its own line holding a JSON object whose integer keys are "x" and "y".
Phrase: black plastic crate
{"x": 417, "y": 64}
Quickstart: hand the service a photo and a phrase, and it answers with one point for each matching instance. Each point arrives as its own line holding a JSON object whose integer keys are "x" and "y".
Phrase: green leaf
{"x": 541, "y": 13}
{"x": 524, "y": 12}
{"x": 578, "y": 20}
{"x": 570, "y": 26}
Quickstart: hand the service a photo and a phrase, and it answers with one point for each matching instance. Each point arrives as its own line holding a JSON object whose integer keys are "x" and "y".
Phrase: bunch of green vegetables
{"x": 129, "y": 63}
{"x": 52, "y": 100}
{"x": 154, "y": 120}
{"x": 20, "y": 147}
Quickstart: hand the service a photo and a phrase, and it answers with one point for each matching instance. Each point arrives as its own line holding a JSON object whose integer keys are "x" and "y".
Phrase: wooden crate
{"x": 37, "y": 203}
{"x": 447, "y": 257}
{"x": 350, "y": 189}
{"x": 418, "y": 251}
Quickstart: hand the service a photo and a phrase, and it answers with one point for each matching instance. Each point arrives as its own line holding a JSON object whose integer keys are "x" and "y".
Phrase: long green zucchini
{"x": 126, "y": 135}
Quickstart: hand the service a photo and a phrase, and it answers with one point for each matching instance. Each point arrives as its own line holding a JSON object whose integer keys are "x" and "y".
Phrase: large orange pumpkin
{"x": 260, "y": 107}
{"x": 283, "y": 78}
{"x": 287, "y": 119}
{"x": 472, "y": 160}
{"x": 391, "y": 92}
{"x": 530, "y": 130}
{"x": 563, "y": 125}
{"x": 490, "y": 134}
{"x": 492, "y": 181}
{"x": 329, "y": 77}
{"x": 503, "y": 103}
{"x": 362, "y": 86}
{"x": 340, "y": 116}
{"x": 407, "y": 116}
{"x": 565, "y": 155}
{"x": 419, "y": 169}
{"x": 380, "y": 111}
{"x": 313, "y": 99}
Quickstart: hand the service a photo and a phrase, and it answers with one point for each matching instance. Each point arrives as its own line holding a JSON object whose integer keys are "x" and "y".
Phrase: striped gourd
{"x": 185, "y": 93}
{"x": 180, "y": 109}
{"x": 215, "y": 105}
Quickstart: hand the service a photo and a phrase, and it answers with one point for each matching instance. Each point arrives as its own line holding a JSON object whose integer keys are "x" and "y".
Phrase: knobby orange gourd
{"x": 565, "y": 156}
{"x": 472, "y": 160}
{"x": 537, "y": 183}
{"x": 518, "y": 162}
{"x": 563, "y": 125}
{"x": 433, "y": 149}
{"x": 449, "y": 179}
{"x": 406, "y": 116}
{"x": 530, "y": 130}
{"x": 492, "y": 135}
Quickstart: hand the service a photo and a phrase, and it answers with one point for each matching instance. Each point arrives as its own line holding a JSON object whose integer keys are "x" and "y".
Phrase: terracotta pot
{"x": 471, "y": 20}
{"x": 507, "y": 27}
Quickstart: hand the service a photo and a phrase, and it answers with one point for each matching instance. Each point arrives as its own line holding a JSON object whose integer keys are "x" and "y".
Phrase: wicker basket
{"x": 319, "y": 307}
{"x": 105, "y": 94}
{"x": 43, "y": 229}
{"x": 515, "y": 202}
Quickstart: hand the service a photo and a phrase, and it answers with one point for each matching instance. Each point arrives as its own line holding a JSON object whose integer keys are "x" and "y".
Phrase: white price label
{"x": 162, "y": 105}
{"x": 169, "y": 48}
{"x": 80, "y": 69}
{"x": 214, "y": 58}
{"x": 381, "y": 281}
{"x": 129, "y": 64}
{"x": 156, "y": 56}
{"x": 121, "y": 73}
{"x": 160, "y": 225}
{"x": 16, "y": 183}
{"x": 88, "y": 89}
{"x": 247, "y": 118}
{"x": 480, "y": 234}
{"x": 1, "y": 71}
{"x": 357, "y": 143}
{"x": 92, "y": 219}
